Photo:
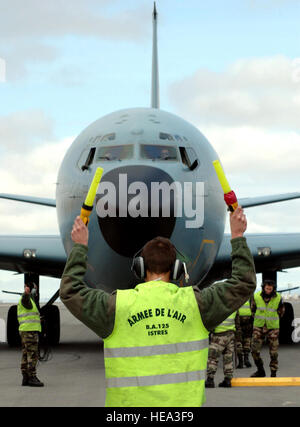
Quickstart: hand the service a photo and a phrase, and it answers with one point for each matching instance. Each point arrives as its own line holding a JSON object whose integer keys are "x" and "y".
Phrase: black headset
{"x": 177, "y": 270}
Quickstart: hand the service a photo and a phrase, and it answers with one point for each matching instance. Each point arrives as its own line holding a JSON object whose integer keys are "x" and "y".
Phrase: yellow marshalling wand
{"x": 229, "y": 195}
{"x": 87, "y": 206}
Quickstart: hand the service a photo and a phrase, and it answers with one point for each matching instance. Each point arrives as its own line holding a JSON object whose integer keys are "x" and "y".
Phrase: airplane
{"x": 142, "y": 150}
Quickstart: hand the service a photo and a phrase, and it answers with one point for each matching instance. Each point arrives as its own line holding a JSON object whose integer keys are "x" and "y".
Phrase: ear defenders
{"x": 178, "y": 269}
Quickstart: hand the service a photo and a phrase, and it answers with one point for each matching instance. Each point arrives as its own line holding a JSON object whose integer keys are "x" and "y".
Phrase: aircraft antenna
{"x": 155, "y": 83}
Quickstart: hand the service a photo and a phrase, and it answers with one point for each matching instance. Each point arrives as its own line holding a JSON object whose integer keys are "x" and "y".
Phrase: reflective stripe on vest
{"x": 227, "y": 325}
{"x": 266, "y": 314}
{"x": 156, "y": 349}
{"x": 245, "y": 310}
{"x": 157, "y": 352}
{"x": 151, "y": 380}
{"x": 29, "y": 319}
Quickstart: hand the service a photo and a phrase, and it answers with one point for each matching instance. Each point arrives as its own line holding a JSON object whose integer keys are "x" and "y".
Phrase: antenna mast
{"x": 155, "y": 82}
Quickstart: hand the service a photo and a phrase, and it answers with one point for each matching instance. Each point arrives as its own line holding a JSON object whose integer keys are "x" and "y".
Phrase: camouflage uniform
{"x": 221, "y": 343}
{"x": 258, "y": 338}
{"x": 259, "y": 335}
{"x": 30, "y": 353}
{"x": 30, "y": 348}
{"x": 244, "y": 335}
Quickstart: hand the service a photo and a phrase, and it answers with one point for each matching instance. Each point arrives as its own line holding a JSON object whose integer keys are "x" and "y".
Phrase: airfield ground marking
{"x": 265, "y": 382}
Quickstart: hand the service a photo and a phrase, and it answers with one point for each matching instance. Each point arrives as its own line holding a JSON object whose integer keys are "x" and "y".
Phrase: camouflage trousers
{"x": 244, "y": 335}
{"x": 258, "y": 338}
{"x": 30, "y": 352}
{"x": 222, "y": 343}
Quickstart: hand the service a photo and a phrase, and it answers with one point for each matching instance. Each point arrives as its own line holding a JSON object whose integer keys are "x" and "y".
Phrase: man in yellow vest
{"x": 222, "y": 341}
{"x": 29, "y": 328}
{"x": 156, "y": 335}
{"x": 267, "y": 308}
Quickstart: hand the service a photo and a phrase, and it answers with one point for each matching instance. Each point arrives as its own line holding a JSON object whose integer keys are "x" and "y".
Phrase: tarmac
{"x": 74, "y": 374}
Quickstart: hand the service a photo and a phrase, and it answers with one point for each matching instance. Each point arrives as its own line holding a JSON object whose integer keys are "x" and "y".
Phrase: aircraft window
{"x": 189, "y": 157}
{"x": 87, "y": 157}
{"x": 115, "y": 152}
{"x": 109, "y": 137}
{"x": 158, "y": 152}
{"x": 167, "y": 136}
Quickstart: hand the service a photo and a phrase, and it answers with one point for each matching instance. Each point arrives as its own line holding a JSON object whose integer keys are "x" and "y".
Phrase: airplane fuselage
{"x": 158, "y": 180}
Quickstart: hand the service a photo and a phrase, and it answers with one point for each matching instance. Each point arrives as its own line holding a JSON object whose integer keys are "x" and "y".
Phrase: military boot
{"x": 226, "y": 382}
{"x": 241, "y": 362}
{"x": 260, "y": 371}
{"x": 247, "y": 361}
{"x": 25, "y": 378}
{"x": 209, "y": 383}
{"x": 33, "y": 381}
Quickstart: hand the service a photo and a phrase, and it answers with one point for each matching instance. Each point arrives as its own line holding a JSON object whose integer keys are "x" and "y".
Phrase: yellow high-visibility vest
{"x": 227, "y": 325}
{"x": 157, "y": 352}
{"x": 245, "y": 309}
{"x": 266, "y": 314}
{"x": 29, "y": 319}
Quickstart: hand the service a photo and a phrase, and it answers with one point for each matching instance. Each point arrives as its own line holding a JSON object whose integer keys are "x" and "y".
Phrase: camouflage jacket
{"x": 96, "y": 308}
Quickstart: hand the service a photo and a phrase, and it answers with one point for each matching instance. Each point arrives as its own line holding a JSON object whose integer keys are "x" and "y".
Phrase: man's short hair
{"x": 269, "y": 282}
{"x": 159, "y": 255}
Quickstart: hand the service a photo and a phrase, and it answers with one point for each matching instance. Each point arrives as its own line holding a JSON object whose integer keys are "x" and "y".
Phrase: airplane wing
{"x": 29, "y": 199}
{"x": 248, "y": 202}
{"x": 271, "y": 252}
{"x": 44, "y": 255}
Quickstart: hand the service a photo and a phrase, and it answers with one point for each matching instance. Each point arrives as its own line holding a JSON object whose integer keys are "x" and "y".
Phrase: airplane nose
{"x": 133, "y": 207}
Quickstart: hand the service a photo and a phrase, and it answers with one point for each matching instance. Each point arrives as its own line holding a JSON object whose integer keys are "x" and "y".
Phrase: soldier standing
{"x": 29, "y": 328}
{"x": 244, "y": 335}
{"x": 267, "y": 307}
{"x": 222, "y": 342}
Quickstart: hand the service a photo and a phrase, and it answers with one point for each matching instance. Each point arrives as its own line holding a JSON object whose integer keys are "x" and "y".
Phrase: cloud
{"x": 23, "y": 130}
{"x": 60, "y": 18}
{"x": 250, "y": 115}
{"x": 30, "y": 32}
{"x": 261, "y": 154}
{"x": 35, "y": 174}
{"x": 259, "y": 92}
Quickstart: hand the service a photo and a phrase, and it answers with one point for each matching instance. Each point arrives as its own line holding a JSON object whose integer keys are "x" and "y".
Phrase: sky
{"x": 230, "y": 68}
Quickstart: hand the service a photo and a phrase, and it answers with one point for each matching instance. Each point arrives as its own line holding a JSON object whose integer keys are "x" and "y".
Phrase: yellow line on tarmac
{"x": 265, "y": 382}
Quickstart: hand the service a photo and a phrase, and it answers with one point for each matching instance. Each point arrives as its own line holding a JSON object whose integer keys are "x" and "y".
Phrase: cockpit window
{"x": 158, "y": 152}
{"x": 115, "y": 152}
